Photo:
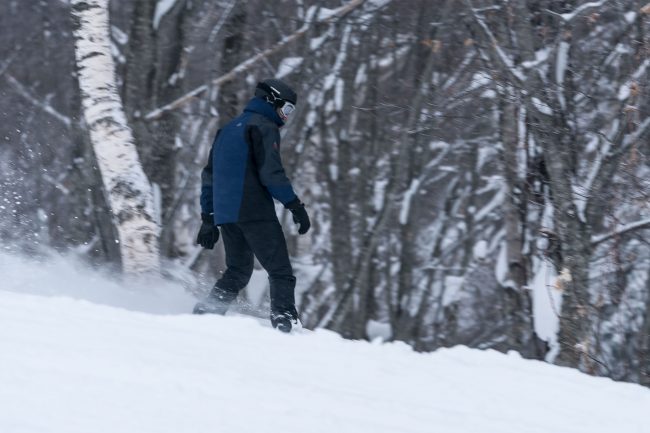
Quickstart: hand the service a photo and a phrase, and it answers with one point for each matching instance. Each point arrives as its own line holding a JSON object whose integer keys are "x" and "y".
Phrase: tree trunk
{"x": 575, "y": 246}
{"x": 644, "y": 336}
{"x": 129, "y": 193}
{"x": 521, "y": 333}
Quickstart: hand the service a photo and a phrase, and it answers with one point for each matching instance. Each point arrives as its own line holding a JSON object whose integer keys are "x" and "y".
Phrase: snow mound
{"x": 71, "y": 366}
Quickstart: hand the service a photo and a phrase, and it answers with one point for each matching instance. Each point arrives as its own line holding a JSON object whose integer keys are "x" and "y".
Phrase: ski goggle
{"x": 287, "y": 108}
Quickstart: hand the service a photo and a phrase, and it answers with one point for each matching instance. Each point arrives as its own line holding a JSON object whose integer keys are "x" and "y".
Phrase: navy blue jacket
{"x": 244, "y": 171}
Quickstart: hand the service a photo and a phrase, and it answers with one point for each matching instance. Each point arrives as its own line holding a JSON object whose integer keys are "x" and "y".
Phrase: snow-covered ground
{"x": 69, "y": 364}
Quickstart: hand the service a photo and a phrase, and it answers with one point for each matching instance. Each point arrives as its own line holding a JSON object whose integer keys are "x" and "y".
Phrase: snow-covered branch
{"x": 608, "y": 159}
{"x": 638, "y": 134}
{"x": 336, "y": 15}
{"x": 162, "y": 7}
{"x": 503, "y": 60}
{"x": 637, "y": 225}
{"x": 582, "y": 9}
{"x": 222, "y": 20}
{"x": 626, "y": 89}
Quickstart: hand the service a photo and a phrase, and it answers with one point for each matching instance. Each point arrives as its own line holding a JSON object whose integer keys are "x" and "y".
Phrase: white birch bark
{"x": 129, "y": 192}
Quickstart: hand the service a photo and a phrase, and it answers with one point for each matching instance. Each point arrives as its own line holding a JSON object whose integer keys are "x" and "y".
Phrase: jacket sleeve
{"x": 206, "y": 184}
{"x": 266, "y": 150}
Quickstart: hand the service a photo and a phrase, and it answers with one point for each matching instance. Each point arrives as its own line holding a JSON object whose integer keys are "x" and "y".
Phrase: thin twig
{"x": 25, "y": 93}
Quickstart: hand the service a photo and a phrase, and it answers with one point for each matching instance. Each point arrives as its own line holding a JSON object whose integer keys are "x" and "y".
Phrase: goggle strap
{"x": 275, "y": 98}
{"x": 270, "y": 90}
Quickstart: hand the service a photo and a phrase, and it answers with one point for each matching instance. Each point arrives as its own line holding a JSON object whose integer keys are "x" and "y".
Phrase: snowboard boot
{"x": 284, "y": 315}
{"x": 208, "y": 306}
{"x": 286, "y": 321}
{"x": 216, "y": 303}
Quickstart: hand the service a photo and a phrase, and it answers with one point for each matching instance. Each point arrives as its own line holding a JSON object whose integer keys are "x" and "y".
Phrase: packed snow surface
{"x": 69, "y": 365}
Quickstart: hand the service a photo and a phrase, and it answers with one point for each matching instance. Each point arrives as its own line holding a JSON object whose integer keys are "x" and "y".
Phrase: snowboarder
{"x": 243, "y": 175}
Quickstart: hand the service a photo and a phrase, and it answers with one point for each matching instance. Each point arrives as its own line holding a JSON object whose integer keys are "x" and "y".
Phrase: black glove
{"x": 299, "y": 215}
{"x": 208, "y": 233}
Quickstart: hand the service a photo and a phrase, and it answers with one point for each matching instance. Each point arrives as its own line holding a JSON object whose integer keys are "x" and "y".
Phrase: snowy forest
{"x": 476, "y": 171}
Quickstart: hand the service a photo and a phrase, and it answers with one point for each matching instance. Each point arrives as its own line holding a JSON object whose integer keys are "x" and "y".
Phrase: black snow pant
{"x": 266, "y": 241}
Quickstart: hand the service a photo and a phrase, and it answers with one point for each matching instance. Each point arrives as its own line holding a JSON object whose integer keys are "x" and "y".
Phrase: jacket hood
{"x": 260, "y": 106}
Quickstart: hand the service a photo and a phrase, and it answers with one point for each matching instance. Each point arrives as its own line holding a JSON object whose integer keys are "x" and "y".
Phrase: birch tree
{"x": 130, "y": 195}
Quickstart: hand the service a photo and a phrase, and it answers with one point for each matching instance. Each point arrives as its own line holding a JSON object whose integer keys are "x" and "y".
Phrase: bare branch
{"x": 584, "y": 8}
{"x": 22, "y": 91}
{"x": 600, "y": 174}
{"x": 248, "y": 64}
{"x": 224, "y": 16}
{"x": 499, "y": 56}
{"x": 638, "y": 134}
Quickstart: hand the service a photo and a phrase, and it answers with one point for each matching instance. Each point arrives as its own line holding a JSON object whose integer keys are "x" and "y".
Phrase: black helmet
{"x": 275, "y": 91}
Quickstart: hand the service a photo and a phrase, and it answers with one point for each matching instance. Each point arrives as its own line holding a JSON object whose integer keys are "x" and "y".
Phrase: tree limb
{"x": 22, "y": 91}
{"x": 498, "y": 55}
{"x": 637, "y": 225}
{"x": 604, "y": 168}
{"x": 248, "y": 64}
{"x": 584, "y": 8}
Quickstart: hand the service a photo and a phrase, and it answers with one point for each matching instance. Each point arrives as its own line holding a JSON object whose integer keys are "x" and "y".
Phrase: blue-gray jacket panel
{"x": 244, "y": 171}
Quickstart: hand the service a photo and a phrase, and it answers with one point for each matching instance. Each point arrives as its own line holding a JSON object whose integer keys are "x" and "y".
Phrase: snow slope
{"x": 68, "y": 365}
